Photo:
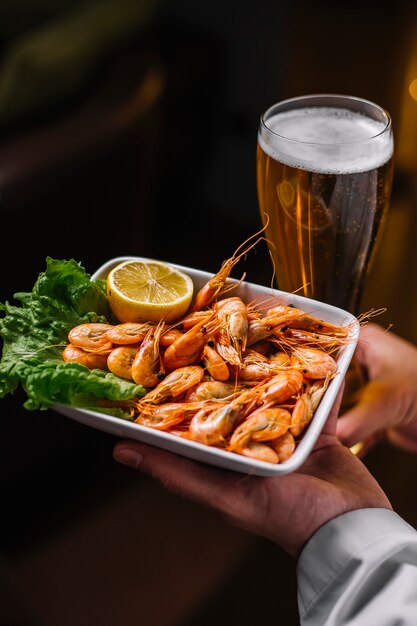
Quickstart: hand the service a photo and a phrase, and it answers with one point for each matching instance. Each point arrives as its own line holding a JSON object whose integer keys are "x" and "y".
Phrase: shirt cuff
{"x": 337, "y": 542}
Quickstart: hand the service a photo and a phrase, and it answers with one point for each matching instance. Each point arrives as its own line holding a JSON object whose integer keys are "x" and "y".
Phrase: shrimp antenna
{"x": 261, "y": 230}
{"x": 363, "y": 318}
{"x": 239, "y": 253}
{"x": 273, "y": 271}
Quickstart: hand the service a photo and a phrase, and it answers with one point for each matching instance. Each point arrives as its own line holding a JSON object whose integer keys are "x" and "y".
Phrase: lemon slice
{"x": 148, "y": 290}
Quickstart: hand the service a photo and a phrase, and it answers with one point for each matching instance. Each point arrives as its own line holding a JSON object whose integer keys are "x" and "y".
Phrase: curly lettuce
{"x": 34, "y": 333}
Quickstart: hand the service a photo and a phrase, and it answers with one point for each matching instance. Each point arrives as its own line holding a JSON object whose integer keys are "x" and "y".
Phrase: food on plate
{"x": 246, "y": 377}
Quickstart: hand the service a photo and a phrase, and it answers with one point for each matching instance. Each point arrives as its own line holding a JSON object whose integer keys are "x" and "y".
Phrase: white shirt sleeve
{"x": 359, "y": 569}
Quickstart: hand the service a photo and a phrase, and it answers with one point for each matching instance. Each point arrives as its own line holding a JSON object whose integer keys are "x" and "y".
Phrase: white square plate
{"x": 208, "y": 454}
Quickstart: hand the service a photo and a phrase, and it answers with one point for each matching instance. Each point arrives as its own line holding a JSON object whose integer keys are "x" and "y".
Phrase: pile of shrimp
{"x": 244, "y": 377}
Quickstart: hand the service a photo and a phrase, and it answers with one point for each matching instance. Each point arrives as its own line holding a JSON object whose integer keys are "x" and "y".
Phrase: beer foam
{"x": 326, "y": 140}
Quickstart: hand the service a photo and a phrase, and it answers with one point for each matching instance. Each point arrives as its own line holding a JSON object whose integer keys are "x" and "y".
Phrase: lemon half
{"x": 148, "y": 290}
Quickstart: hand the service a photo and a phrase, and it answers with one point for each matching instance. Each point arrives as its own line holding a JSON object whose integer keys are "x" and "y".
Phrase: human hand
{"x": 286, "y": 509}
{"x": 387, "y": 404}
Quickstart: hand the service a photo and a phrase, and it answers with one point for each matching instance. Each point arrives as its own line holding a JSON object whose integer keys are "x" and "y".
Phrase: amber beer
{"x": 324, "y": 175}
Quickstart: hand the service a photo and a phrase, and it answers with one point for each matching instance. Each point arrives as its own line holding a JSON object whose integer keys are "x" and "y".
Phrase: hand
{"x": 287, "y": 509}
{"x": 387, "y": 404}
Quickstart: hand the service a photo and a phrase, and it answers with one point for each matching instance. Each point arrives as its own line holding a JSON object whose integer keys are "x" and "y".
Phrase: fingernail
{"x": 127, "y": 456}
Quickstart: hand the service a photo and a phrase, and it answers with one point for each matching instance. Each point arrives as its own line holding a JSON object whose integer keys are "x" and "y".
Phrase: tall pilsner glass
{"x": 324, "y": 175}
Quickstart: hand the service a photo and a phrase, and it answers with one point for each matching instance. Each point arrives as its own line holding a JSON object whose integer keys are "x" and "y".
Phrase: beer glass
{"x": 324, "y": 176}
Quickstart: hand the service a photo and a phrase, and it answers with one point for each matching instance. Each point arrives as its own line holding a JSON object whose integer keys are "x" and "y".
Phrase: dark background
{"x": 152, "y": 152}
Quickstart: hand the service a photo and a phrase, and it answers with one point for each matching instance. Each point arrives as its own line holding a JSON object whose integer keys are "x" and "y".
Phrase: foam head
{"x": 326, "y": 140}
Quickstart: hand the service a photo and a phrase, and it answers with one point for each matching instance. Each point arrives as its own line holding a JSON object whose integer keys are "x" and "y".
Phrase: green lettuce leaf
{"x": 34, "y": 334}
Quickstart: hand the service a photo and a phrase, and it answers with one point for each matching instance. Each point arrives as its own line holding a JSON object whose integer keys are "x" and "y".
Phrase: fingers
{"x": 198, "y": 482}
{"x": 406, "y": 442}
{"x": 375, "y": 412}
{"x": 362, "y": 447}
{"x": 388, "y": 403}
{"x": 354, "y": 427}
{"x": 370, "y": 336}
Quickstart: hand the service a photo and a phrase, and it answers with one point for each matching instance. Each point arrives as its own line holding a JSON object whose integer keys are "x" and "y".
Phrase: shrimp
{"x": 262, "y": 425}
{"x": 192, "y": 319}
{"x": 281, "y": 387}
{"x": 213, "y": 390}
{"x": 280, "y": 358}
{"x": 179, "y": 431}
{"x": 120, "y": 361}
{"x": 215, "y": 365}
{"x": 91, "y": 360}
{"x": 129, "y": 332}
{"x": 304, "y": 321}
{"x": 262, "y": 347}
{"x": 294, "y": 337}
{"x": 233, "y": 317}
{"x": 257, "y": 367}
{"x": 187, "y": 349}
{"x": 263, "y": 327}
{"x": 176, "y": 383}
{"x": 214, "y": 427}
{"x": 169, "y": 336}
{"x": 146, "y": 366}
{"x": 91, "y": 337}
{"x": 216, "y": 285}
{"x": 305, "y": 406}
{"x": 164, "y": 416}
{"x": 313, "y": 363}
{"x": 284, "y": 446}
{"x": 259, "y": 451}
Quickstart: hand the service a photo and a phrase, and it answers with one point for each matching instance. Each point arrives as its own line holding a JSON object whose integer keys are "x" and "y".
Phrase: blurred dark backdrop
{"x": 130, "y": 128}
